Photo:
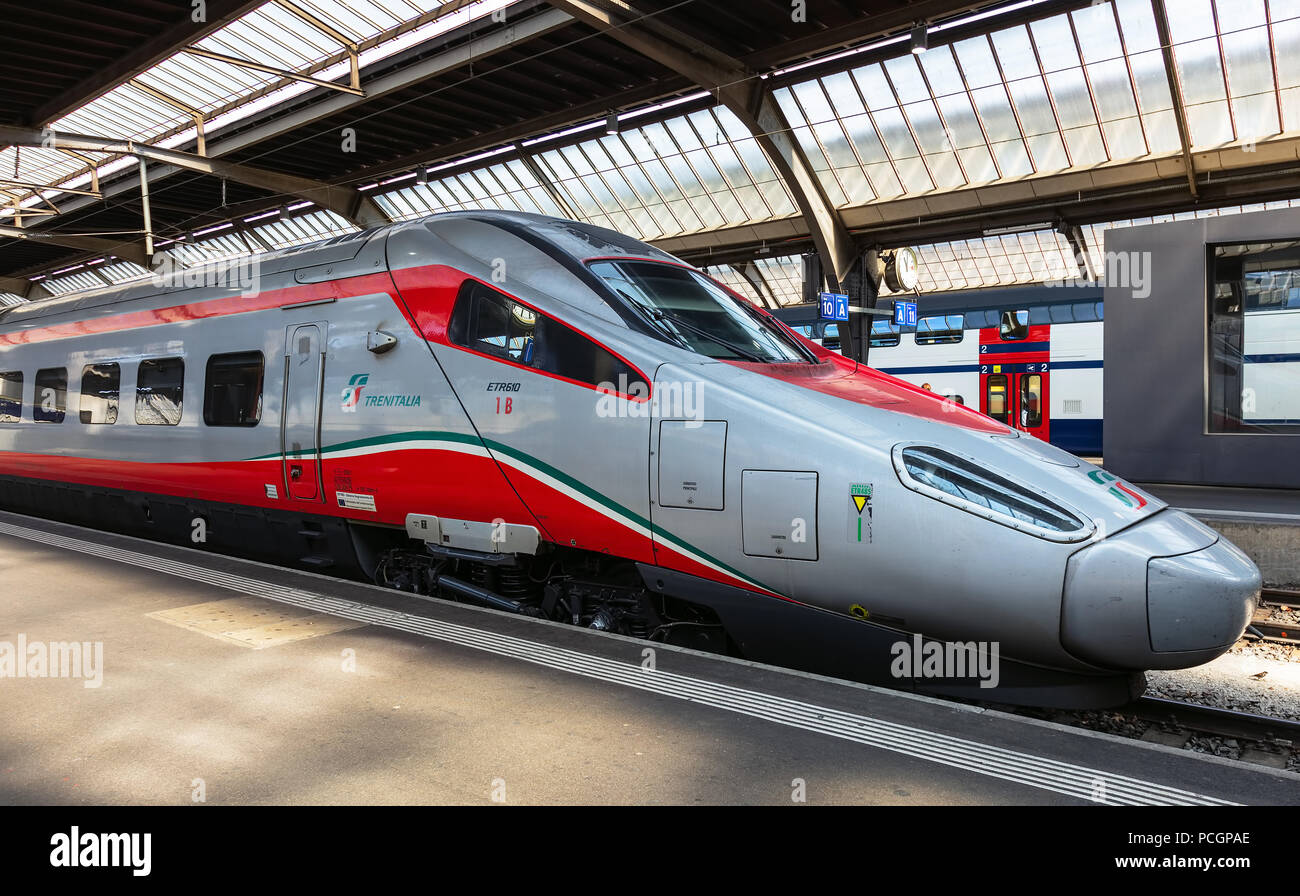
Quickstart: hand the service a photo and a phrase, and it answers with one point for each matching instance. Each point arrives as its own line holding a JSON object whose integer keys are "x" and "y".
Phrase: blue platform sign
{"x": 905, "y": 314}
{"x": 834, "y": 306}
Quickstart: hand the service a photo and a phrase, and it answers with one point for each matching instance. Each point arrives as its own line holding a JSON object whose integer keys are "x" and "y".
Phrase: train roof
{"x": 572, "y": 238}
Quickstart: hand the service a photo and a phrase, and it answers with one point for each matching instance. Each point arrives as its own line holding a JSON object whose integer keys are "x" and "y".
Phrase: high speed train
{"x": 553, "y": 419}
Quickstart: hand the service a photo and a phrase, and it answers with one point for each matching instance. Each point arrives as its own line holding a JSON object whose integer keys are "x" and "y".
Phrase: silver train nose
{"x": 1168, "y": 593}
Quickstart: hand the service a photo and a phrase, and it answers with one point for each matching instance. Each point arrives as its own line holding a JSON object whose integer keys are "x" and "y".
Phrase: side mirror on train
{"x": 379, "y": 342}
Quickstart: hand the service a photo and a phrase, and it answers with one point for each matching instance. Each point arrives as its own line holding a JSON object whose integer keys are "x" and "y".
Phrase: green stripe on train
{"x": 575, "y": 484}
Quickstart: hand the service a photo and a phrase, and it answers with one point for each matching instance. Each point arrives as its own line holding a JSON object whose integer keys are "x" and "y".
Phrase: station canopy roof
{"x": 1009, "y": 144}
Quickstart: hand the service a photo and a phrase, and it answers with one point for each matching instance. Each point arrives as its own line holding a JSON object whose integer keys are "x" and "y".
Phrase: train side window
{"x": 831, "y": 337}
{"x": 159, "y": 390}
{"x": 232, "y": 395}
{"x": 1014, "y": 326}
{"x": 939, "y": 329}
{"x": 884, "y": 333}
{"x": 1031, "y": 406}
{"x": 486, "y": 321}
{"x": 11, "y": 396}
{"x": 101, "y": 386}
{"x": 1060, "y": 314}
{"x": 51, "y": 401}
{"x": 567, "y": 353}
{"x": 996, "y": 397}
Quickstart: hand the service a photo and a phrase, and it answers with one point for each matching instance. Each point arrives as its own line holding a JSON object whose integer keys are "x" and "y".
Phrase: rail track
{"x": 1212, "y": 720}
{"x": 1266, "y": 627}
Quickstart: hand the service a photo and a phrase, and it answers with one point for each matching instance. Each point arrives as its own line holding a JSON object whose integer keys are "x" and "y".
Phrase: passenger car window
{"x": 884, "y": 333}
{"x": 1014, "y": 326}
{"x": 159, "y": 390}
{"x": 51, "y": 400}
{"x": 100, "y": 388}
{"x": 492, "y": 323}
{"x": 232, "y": 394}
{"x": 11, "y": 396}
{"x": 939, "y": 329}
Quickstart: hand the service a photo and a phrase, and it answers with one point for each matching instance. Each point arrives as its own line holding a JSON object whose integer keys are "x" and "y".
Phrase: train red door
{"x": 1017, "y": 397}
{"x": 304, "y": 378}
{"x": 1031, "y": 401}
{"x": 1014, "y": 374}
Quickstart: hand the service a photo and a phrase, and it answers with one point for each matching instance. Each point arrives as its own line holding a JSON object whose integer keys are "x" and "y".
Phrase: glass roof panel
{"x": 1054, "y": 40}
{"x": 732, "y": 278}
{"x": 784, "y": 277}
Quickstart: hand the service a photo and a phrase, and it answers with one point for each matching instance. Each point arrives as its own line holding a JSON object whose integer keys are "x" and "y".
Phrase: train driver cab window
{"x": 11, "y": 396}
{"x": 491, "y": 323}
{"x": 831, "y": 337}
{"x": 1014, "y": 326}
{"x": 159, "y": 390}
{"x": 696, "y": 313}
{"x": 101, "y": 386}
{"x": 996, "y": 397}
{"x": 233, "y": 392}
{"x": 1031, "y": 400}
{"x": 51, "y": 400}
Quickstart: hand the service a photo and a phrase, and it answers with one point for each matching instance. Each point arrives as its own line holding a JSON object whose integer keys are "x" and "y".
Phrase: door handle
{"x": 295, "y": 472}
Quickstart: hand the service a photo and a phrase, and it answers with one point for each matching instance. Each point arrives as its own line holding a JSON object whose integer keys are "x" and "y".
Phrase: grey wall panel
{"x": 1155, "y": 350}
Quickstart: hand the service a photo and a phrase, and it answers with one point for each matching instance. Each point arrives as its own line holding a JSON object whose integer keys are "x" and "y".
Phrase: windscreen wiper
{"x": 700, "y": 331}
{"x": 770, "y": 325}
{"x": 658, "y": 315}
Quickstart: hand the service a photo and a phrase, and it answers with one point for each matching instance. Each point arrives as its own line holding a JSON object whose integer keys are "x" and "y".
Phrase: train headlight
{"x": 970, "y": 486}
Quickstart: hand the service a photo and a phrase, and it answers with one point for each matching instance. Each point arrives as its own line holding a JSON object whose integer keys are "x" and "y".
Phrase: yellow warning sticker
{"x": 997, "y": 368}
{"x": 860, "y": 522}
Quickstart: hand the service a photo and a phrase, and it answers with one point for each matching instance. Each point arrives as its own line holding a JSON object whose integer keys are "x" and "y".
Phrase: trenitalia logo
{"x": 352, "y": 394}
{"x": 1117, "y": 488}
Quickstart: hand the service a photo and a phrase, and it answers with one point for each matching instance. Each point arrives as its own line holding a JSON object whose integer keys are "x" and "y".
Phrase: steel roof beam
{"x": 128, "y": 251}
{"x": 272, "y": 70}
{"x": 440, "y": 63}
{"x": 21, "y": 286}
{"x": 37, "y": 188}
{"x": 344, "y": 201}
{"x": 1176, "y": 90}
{"x": 151, "y": 50}
{"x": 745, "y": 96}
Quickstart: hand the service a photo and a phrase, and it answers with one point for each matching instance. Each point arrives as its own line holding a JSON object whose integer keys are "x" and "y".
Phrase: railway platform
{"x": 201, "y": 678}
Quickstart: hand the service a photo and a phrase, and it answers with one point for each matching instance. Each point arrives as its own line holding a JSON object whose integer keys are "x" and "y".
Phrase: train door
{"x": 1031, "y": 401}
{"x": 1014, "y": 359}
{"x": 304, "y": 378}
{"x": 1017, "y": 397}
